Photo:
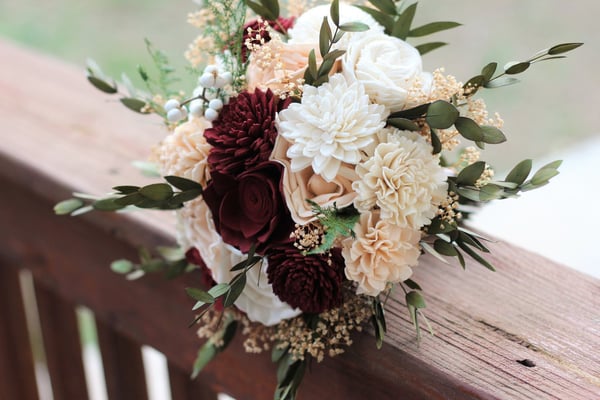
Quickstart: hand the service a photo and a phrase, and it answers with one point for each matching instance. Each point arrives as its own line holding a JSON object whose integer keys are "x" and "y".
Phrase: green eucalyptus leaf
{"x": 415, "y": 299}
{"x": 444, "y": 248}
{"x": 474, "y": 83}
{"x": 261, "y": 10}
{"x": 383, "y": 19}
{"x": 219, "y": 290}
{"x": 334, "y": 11}
{"x": 488, "y": 71}
{"x": 182, "y": 197}
{"x": 500, "y": 82}
{"x": 477, "y": 257}
{"x": 354, "y": 27}
{"x": 109, "y": 204}
{"x": 434, "y": 253}
{"x": 403, "y": 124}
{"x": 134, "y": 104}
{"x": 429, "y": 47}
{"x": 441, "y": 114}
{"x": 435, "y": 141}
{"x": 516, "y": 68}
{"x": 67, "y": 206}
{"x": 278, "y": 353}
{"x": 563, "y": 48}
{"x": 432, "y": 27}
{"x": 469, "y": 175}
{"x": 334, "y": 54}
{"x": 385, "y": 6}
{"x": 182, "y": 183}
{"x": 121, "y": 266}
{"x": 324, "y": 37}
{"x": 102, "y": 85}
{"x": 520, "y": 172}
{"x": 412, "y": 284}
{"x": 404, "y": 21}
{"x": 469, "y": 194}
{"x": 490, "y": 192}
{"x": 543, "y": 175}
{"x": 469, "y": 129}
{"x": 199, "y": 295}
{"x": 273, "y": 7}
{"x": 492, "y": 135}
{"x": 126, "y": 189}
{"x": 157, "y": 191}
{"x": 237, "y": 284}
{"x": 411, "y": 113}
{"x": 312, "y": 64}
{"x": 205, "y": 355}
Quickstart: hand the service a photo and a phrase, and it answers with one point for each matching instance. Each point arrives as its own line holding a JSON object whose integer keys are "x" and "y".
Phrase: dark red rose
{"x": 311, "y": 283}
{"x": 244, "y": 134}
{"x": 256, "y": 32}
{"x": 250, "y": 208}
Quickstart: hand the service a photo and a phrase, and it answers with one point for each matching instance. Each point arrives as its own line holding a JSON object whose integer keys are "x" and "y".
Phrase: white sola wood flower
{"x": 403, "y": 179}
{"x": 330, "y": 126}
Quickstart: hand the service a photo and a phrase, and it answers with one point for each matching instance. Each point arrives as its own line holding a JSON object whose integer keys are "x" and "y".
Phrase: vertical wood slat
{"x": 184, "y": 388}
{"x": 62, "y": 345}
{"x": 17, "y": 374}
{"x": 123, "y": 365}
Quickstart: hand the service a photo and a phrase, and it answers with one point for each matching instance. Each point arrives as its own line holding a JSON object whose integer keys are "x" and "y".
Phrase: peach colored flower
{"x": 305, "y": 184}
{"x": 184, "y": 152}
{"x": 381, "y": 252}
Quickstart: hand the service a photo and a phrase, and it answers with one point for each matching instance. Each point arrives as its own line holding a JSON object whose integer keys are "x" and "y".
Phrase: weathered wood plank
{"x": 484, "y": 323}
{"x": 17, "y": 375}
{"x": 62, "y": 345}
{"x": 183, "y": 388}
{"x": 123, "y": 365}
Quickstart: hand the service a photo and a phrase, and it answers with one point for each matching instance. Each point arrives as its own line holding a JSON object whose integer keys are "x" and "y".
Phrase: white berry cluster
{"x": 206, "y": 101}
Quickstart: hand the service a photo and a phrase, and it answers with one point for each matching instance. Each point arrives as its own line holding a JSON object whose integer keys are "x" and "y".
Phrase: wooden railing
{"x": 529, "y": 331}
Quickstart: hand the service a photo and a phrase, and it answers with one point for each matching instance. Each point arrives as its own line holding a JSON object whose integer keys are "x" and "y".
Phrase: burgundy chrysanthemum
{"x": 244, "y": 133}
{"x": 256, "y": 32}
{"x": 311, "y": 283}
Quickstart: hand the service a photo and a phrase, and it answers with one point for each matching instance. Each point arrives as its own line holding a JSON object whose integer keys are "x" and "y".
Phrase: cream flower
{"x": 195, "y": 228}
{"x": 403, "y": 179}
{"x": 184, "y": 152}
{"x": 387, "y": 66}
{"x": 381, "y": 252}
{"x": 307, "y": 27}
{"x": 330, "y": 126}
{"x": 305, "y": 184}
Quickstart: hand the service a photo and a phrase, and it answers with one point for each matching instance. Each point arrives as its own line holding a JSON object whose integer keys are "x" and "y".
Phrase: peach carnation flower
{"x": 403, "y": 179}
{"x": 381, "y": 252}
{"x": 184, "y": 152}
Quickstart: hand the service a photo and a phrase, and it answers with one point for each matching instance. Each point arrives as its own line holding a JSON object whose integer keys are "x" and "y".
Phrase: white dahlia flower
{"x": 330, "y": 126}
{"x": 195, "y": 228}
{"x": 403, "y": 179}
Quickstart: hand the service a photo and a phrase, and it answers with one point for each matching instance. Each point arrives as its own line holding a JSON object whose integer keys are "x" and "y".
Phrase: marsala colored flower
{"x": 311, "y": 283}
{"x": 249, "y": 209}
{"x": 256, "y": 34}
{"x": 244, "y": 133}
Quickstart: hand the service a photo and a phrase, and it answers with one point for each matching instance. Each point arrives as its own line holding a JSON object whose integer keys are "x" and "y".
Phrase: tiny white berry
{"x": 211, "y": 114}
{"x": 174, "y": 115}
{"x": 211, "y": 69}
{"x": 228, "y": 77}
{"x": 207, "y": 80}
{"x": 215, "y": 104}
{"x": 196, "y": 107}
{"x": 171, "y": 104}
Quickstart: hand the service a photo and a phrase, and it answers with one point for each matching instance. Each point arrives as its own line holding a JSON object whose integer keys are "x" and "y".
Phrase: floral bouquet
{"x": 311, "y": 167}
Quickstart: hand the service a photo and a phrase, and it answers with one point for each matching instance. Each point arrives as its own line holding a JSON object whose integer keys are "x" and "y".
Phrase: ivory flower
{"x": 305, "y": 184}
{"x": 403, "y": 179}
{"x": 381, "y": 252}
{"x": 388, "y": 68}
{"x": 307, "y": 27}
{"x": 195, "y": 228}
{"x": 184, "y": 152}
{"x": 330, "y": 126}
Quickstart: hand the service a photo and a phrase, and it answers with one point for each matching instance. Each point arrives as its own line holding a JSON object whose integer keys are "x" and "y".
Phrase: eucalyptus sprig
{"x": 397, "y": 18}
{"x": 290, "y": 373}
{"x": 159, "y": 196}
{"x": 216, "y": 344}
{"x": 317, "y": 75}
{"x": 486, "y": 78}
{"x": 170, "y": 260}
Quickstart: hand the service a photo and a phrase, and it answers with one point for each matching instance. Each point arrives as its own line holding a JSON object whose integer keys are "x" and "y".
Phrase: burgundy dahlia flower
{"x": 249, "y": 208}
{"x": 244, "y": 134}
{"x": 312, "y": 283}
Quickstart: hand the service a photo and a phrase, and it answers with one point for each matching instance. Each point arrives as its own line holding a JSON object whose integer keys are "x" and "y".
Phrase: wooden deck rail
{"x": 60, "y": 135}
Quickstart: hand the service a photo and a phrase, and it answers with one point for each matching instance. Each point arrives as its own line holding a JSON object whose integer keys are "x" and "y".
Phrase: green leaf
{"x": 520, "y": 172}
{"x": 312, "y": 64}
{"x": 134, "y": 104}
{"x": 517, "y": 68}
{"x": 490, "y": 192}
{"x": 219, "y": 290}
{"x": 157, "y": 191}
{"x": 334, "y": 54}
{"x": 199, "y": 295}
{"x": 354, "y": 27}
{"x": 563, "y": 48}
{"x": 411, "y": 113}
{"x": 121, "y": 266}
{"x": 469, "y": 175}
{"x": 183, "y": 197}
{"x": 237, "y": 285}
{"x": 383, "y": 19}
{"x": 434, "y": 253}
{"x": 403, "y": 124}
{"x": 412, "y": 284}
{"x": 477, "y": 257}
{"x": 205, "y": 355}
{"x": 404, "y": 21}
{"x": 109, "y": 204}
{"x": 228, "y": 333}
{"x": 183, "y": 183}
{"x": 432, "y": 27}
{"x": 492, "y": 135}
{"x": 469, "y": 194}
{"x": 273, "y": 7}
{"x": 429, "y": 47}
{"x": 488, "y": 71}
{"x": 500, "y": 82}
{"x": 544, "y": 174}
{"x": 474, "y": 83}
{"x": 415, "y": 299}
{"x": 334, "y": 11}
{"x": 324, "y": 37}
{"x": 435, "y": 141}
{"x": 102, "y": 85}
{"x": 67, "y": 206}
{"x": 261, "y": 10}
{"x": 278, "y": 353}
{"x": 469, "y": 129}
{"x": 444, "y": 248}
{"x": 126, "y": 189}
{"x": 386, "y": 6}
{"x": 441, "y": 114}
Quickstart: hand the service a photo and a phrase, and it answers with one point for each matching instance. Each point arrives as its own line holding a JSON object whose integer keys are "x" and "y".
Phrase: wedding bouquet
{"x": 311, "y": 167}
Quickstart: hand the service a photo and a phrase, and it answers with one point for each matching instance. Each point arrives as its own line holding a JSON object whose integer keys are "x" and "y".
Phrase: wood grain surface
{"x": 529, "y": 331}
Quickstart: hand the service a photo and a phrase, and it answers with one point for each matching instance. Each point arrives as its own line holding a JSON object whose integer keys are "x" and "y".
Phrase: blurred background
{"x": 550, "y": 114}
